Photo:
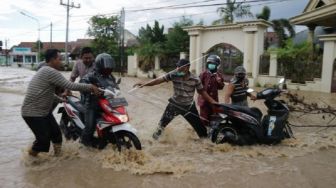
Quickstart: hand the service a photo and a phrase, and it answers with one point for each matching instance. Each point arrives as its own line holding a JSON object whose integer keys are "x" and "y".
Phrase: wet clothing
{"x": 91, "y": 104}
{"x": 182, "y": 102}
{"x": 184, "y": 89}
{"x": 189, "y": 113}
{"x": 45, "y": 129}
{"x": 211, "y": 86}
{"x": 39, "y": 102}
{"x": 239, "y": 94}
{"x": 80, "y": 70}
{"x": 39, "y": 98}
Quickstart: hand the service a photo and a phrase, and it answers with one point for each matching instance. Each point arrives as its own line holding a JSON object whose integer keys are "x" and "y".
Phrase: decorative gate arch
{"x": 247, "y": 37}
{"x": 230, "y": 55}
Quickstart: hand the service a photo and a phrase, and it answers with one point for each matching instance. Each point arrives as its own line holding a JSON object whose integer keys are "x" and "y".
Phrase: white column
{"x": 132, "y": 65}
{"x": 192, "y": 52}
{"x": 248, "y": 52}
{"x": 198, "y": 56}
{"x": 273, "y": 64}
{"x": 183, "y": 55}
{"x": 329, "y": 56}
{"x": 157, "y": 63}
{"x": 258, "y": 48}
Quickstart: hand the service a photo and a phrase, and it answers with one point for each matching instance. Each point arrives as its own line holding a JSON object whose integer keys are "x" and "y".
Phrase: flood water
{"x": 178, "y": 159}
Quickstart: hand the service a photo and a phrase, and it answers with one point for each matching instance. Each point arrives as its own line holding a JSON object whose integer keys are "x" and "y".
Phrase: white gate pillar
{"x": 273, "y": 64}
{"x": 157, "y": 63}
{"x": 329, "y": 56}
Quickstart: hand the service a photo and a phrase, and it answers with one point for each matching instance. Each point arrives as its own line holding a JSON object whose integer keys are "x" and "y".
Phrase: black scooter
{"x": 239, "y": 125}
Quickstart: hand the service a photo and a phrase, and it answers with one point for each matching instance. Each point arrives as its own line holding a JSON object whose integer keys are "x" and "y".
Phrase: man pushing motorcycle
{"x": 182, "y": 102}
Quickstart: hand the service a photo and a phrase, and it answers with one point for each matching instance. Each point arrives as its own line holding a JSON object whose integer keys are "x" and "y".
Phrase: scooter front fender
{"x": 124, "y": 127}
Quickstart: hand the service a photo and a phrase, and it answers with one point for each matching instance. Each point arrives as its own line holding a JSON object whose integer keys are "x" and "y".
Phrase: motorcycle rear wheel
{"x": 224, "y": 134}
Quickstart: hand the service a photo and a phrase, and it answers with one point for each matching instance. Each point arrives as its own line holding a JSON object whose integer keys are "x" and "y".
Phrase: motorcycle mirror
{"x": 282, "y": 80}
{"x": 249, "y": 90}
{"x": 118, "y": 80}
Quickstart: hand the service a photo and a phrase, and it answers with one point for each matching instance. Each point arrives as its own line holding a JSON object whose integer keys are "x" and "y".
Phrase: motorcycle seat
{"x": 77, "y": 104}
{"x": 254, "y": 112}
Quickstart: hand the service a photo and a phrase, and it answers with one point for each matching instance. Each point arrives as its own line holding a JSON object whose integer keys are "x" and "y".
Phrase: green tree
{"x": 231, "y": 11}
{"x": 104, "y": 29}
{"x": 177, "y": 38}
{"x": 280, "y": 26}
{"x": 152, "y": 42}
{"x": 297, "y": 61}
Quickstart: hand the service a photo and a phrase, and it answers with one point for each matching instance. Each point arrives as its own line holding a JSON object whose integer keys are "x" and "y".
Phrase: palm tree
{"x": 279, "y": 26}
{"x": 232, "y": 10}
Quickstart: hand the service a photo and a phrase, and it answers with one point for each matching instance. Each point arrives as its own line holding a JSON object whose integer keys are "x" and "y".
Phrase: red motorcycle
{"x": 112, "y": 124}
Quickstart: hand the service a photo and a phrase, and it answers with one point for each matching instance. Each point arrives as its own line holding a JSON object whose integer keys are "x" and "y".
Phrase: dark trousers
{"x": 206, "y": 112}
{"x": 189, "y": 113}
{"x": 90, "y": 119}
{"x": 45, "y": 129}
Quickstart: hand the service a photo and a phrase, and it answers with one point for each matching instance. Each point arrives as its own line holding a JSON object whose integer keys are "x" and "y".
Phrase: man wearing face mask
{"x": 212, "y": 81}
{"x": 237, "y": 89}
{"x": 182, "y": 102}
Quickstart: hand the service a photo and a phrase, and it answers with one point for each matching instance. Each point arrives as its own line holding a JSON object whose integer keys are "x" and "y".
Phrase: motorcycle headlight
{"x": 122, "y": 118}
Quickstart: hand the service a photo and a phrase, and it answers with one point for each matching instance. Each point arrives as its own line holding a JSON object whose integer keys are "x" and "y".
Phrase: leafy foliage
{"x": 177, "y": 38}
{"x": 299, "y": 62}
{"x": 280, "y": 26}
{"x": 151, "y": 44}
{"x": 104, "y": 29}
{"x": 231, "y": 11}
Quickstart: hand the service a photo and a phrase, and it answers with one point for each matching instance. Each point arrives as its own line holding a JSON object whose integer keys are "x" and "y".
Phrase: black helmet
{"x": 104, "y": 63}
{"x": 240, "y": 72}
{"x": 182, "y": 63}
{"x": 215, "y": 59}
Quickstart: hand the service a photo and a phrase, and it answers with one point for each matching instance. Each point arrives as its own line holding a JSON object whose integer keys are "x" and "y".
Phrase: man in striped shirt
{"x": 182, "y": 102}
{"x": 37, "y": 104}
{"x": 237, "y": 88}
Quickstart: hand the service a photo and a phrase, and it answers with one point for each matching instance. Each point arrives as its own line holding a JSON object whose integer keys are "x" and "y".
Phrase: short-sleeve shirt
{"x": 80, "y": 70}
{"x": 239, "y": 93}
{"x": 184, "y": 89}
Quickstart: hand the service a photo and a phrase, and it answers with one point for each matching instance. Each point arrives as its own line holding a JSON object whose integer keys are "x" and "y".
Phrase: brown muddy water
{"x": 178, "y": 159}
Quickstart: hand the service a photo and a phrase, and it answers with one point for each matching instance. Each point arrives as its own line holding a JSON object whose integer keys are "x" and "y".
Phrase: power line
{"x": 178, "y": 6}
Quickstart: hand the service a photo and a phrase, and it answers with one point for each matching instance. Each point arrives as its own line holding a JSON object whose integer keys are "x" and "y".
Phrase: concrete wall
{"x": 132, "y": 65}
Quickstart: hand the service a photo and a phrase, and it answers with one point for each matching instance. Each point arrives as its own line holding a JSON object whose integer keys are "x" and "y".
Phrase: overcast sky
{"x": 19, "y": 28}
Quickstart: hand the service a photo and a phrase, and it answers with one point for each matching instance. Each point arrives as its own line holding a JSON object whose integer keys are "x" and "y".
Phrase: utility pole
{"x": 122, "y": 38}
{"x": 50, "y": 45}
{"x": 38, "y": 38}
{"x": 6, "y": 52}
{"x": 68, "y": 6}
